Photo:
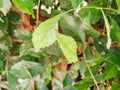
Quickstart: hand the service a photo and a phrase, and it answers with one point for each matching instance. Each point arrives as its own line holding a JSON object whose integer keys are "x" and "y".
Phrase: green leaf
{"x": 76, "y": 66}
{"x": 22, "y": 73}
{"x": 68, "y": 47}
{"x": 115, "y": 85}
{"x": 76, "y": 3}
{"x": 13, "y": 20}
{"x": 25, "y": 6}
{"x": 1, "y": 62}
{"x": 4, "y": 24}
{"x": 28, "y": 58}
{"x": 113, "y": 56}
{"x": 86, "y": 82}
{"x": 23, "y": 78}
{"x": 4, "y": 48}
{"x": 25, "y": 48}
{"x": 107, "y": 25}
{"x": 87, "y": 28}
{"x": 100, "y": 45}
{"x": 102, "y": 87}
{"x": 36, "y": 69}
{"x": 1, "y": 3}
{"x": 70, "y": 26}
{"x": 45, "y": 34}
{"x": 12, "y": 81}
{"x": 23, "y": 35}
{"x": 6, "y": 6}
{"x": 89, "y": 52}
{"x": 71, "y": 88}
{"x": 67, "y": 80}
{"x": 54, "y": 50}
{"x": 115, "y": 30}
{"x": 94, "y": 70}
{"x": 93, "y": 13}
{"x": 25, "y": 64}
{"x": 110, "y": 71}
{"x": 47, "y": 3}
{"x": 82, "y": 68}
{"x": 41, "y": 86}
{"x": 95, "y": 61}
{"x": 65, "y": 4}
{"x": 25, "y": 84}
{"x": 118, "y": 4}
{"x": 47, "y": 73}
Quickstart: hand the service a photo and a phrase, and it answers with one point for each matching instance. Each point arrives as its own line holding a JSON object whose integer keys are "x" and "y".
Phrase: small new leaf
{"x": 68, "y": 47}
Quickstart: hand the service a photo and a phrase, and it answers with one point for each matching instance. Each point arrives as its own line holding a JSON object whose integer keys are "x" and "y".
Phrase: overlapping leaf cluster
{"x": 75, "y": 49}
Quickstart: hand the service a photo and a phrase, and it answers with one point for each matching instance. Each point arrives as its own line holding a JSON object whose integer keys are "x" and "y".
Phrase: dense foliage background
{"x": 60, "y": 44}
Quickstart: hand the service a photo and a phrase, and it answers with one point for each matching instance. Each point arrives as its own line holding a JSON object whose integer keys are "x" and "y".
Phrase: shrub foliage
{"x": 59, "y": 44}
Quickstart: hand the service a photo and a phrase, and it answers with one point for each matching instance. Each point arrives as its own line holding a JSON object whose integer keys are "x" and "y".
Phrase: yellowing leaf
{"x": 45, "y": 33}
{"x": 108, "y": 30}
{"x": 68, "y": 47}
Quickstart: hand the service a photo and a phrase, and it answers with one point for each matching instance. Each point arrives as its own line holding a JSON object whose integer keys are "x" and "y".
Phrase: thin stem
{"x": 7, "y": 58}
{"x": 66, "y": 12}
{"x": 102, "y": 8}
{"x": 37, "y": 15}
{"x": 84, "y": 57}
